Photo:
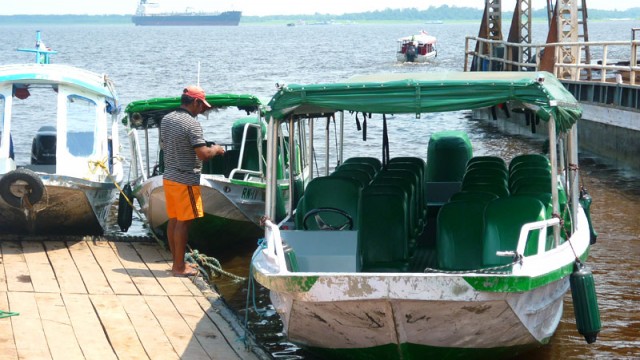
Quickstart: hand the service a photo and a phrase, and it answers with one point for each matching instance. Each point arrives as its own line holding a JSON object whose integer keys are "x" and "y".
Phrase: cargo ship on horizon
{"x": 145, "y": 16}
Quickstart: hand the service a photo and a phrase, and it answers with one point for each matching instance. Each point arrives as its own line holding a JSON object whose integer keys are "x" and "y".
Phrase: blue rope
{"x": 251, "y": 294}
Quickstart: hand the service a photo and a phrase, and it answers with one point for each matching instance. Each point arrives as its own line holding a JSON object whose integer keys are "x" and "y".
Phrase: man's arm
{"x": 207, "y": 152}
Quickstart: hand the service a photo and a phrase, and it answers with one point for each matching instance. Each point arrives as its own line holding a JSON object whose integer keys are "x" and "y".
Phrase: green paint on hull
{"x": 415, "y": 352}
{"x": 519, "y": 283}
{"x": 213, "y": 233}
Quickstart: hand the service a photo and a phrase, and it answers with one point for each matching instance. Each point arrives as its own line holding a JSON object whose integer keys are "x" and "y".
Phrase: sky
{"x": 261, "y": 7}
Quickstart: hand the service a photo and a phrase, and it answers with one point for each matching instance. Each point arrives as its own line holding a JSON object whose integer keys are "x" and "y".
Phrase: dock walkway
{"x": 96, "y": 299}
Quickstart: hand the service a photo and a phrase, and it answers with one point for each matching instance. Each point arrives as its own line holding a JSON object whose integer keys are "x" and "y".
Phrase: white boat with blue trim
{"x": 448, "y": 256}
{"x": 59, "y": 147}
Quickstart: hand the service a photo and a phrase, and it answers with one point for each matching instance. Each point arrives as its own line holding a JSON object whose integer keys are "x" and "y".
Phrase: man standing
{"x": 184, "y": 150}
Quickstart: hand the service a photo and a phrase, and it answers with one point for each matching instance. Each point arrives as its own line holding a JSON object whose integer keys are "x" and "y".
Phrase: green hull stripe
{"x": 414, "y": 352}
{"x": 519, "y": 283}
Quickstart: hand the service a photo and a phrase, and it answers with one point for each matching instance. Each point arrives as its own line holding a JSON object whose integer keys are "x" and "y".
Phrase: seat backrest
{"x": 485, "y": 159}
{"x": 481, "y": 196}
{"x": 528, "y": 158}
{"x": 494, "y": 188}
{"x": 504, "y": 218}
{"x": 408, "y": 189}
{"x": 447, "y": 156}
{"x": 362, "y": 176}
{"x": 368, "y": 168}
{"x": 332, "y": 192}
{"x": 375, "y": 162}
{"x": 459, "y": 232}
{"x": 382, "y": 233}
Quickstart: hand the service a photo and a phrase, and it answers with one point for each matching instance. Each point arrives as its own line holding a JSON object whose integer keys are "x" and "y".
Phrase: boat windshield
{"x": 81, "y": 115}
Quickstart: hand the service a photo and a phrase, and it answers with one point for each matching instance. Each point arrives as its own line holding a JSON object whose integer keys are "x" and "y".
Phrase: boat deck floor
{"x": 96, "y": 299}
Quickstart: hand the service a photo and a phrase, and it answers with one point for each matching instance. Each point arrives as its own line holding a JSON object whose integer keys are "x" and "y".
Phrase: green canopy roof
{"x": 397, "y": 93}
{"x": 148, "y": 113}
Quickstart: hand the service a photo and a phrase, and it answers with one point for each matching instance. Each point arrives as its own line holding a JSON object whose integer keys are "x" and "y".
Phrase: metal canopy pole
{"x": 553, "y": 158}
{"x": 270, "y": 195}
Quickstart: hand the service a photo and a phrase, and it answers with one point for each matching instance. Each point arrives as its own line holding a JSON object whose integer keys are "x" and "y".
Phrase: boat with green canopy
{"x": 452, "y": 255}
{"x": 232, "y": 185}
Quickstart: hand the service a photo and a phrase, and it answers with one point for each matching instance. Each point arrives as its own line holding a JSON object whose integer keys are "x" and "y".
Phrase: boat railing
{"x": 618, "y": 59}
{"x": 527, "y": 228}
{"x": 243, "y": 152}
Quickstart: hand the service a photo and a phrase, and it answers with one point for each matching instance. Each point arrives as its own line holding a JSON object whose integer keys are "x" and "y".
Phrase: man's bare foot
{"x": 186, "y": 272}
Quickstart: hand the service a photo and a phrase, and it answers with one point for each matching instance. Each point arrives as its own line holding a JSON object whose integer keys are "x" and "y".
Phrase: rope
{"x": 210, "y": 263}
{"x": 5, "y": 314}
{"x": 490, "y": 270}
{"x": 101, "y": 164}
{"x": 251, "y": 294}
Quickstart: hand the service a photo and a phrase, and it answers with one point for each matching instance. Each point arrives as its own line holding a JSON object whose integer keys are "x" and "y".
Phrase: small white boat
{"x": 232, "y": 186}
{"x": 448, "y": 256}
{"x": 417, "y": 48}
{"x": 59, "y": 159}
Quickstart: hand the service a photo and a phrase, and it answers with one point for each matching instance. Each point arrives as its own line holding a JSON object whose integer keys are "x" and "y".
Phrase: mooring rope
{"x": 208, "y": 264}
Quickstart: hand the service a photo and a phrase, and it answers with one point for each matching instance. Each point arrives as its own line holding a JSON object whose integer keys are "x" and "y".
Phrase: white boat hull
{"x": 420, "y": 59}
{"x": 232, "y": 210}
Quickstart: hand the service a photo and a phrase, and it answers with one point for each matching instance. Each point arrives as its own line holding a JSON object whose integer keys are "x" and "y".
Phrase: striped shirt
{"x": 180, "y": 134}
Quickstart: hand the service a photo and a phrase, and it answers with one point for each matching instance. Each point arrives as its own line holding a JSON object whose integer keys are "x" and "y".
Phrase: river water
{"x": 149, "y": 62}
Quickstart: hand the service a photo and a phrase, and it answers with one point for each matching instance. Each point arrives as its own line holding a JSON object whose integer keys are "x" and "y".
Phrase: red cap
{"x": 196, "y": 92}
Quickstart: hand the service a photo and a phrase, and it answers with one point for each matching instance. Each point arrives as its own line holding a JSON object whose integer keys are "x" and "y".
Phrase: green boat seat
{"x": 486, "y": 160}
{"x": 473, "y": 196}
{"x": 420, "y": 184}
{"x": 529, "y": 159}
{"x": 331, "y": 192}
{"x": 382, "y": 230}
{"x": 459, "y": 232}
{"x": 539, "y": 165}
{"x": 415, "y": 225}
{"x": 447, "y": 156}
{"x": 376, "y": 163}
{"x": 541, "y": 179}
{"x": 493, "y": 188}
{"x": 362, "y": 176}
{"x": 368, "y": 168}
{"x": 504, "y": 217}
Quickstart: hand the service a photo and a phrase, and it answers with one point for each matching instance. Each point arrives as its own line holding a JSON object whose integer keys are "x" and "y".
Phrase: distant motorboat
{"x": 417, "y": 48}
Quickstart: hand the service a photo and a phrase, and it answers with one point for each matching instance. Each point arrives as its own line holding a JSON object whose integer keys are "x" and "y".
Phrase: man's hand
{"x": 217, "y": 150}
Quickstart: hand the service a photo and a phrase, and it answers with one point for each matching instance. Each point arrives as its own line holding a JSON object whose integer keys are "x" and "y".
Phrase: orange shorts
{"x": 183, "y": 201}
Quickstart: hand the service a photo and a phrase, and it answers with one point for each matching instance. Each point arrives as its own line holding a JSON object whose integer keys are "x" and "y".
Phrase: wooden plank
{"x": 150, "y": 333}
{"x": 137, "y": 269}
{"x": 42, "y": 276}
{"x": 116, "y": 323}
{"x": 91, "y": 273}
{"x": 112, "y": 268}
{"x": 57, "y": 327}
{"x": 69, "y": 278}
{"x": 203, "y": 328}
{"x": 7, "y": 345}
{"x": 230, "y": 333}
{"x": 15, "y": 267}
{"x": 161, "y": 269}
{"x": 193, "y": 289}
{"x": 27, "y": 327}
{"x": 176, "y": 329}
{"x": 87, "y": 328}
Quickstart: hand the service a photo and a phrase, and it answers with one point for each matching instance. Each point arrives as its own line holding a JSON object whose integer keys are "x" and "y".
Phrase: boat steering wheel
{"x": 322, "y": 224}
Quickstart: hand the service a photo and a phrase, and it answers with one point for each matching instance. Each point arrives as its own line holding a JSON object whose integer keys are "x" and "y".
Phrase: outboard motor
{"x": 43, "y": 148}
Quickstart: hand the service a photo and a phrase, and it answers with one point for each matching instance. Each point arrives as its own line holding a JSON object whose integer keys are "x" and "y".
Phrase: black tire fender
{"x": 34, "y": 186}
{"x": 125, "y": 211}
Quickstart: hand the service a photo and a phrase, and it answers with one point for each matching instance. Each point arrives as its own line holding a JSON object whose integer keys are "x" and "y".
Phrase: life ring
{"x": 125, "y": 211}
{"x": 20, "y": 183}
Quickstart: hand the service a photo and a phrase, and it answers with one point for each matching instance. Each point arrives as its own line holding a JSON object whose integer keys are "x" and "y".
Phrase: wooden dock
{"x": 96, "y": 299}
